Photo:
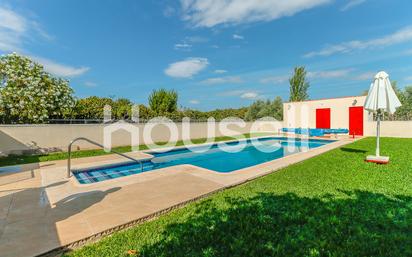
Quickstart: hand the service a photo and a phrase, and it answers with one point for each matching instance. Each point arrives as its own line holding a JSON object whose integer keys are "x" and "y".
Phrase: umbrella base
{"x": 377, "y": 159}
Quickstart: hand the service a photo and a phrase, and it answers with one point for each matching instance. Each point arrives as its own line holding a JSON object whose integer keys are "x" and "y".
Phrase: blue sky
{"x": 216, "y": 54}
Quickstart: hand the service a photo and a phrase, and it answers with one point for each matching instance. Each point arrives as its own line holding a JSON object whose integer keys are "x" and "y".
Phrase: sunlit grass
{"x": 334, "y": 204}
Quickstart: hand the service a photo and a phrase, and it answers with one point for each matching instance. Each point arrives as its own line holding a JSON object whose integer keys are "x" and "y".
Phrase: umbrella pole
{"x": 378, "y": 132}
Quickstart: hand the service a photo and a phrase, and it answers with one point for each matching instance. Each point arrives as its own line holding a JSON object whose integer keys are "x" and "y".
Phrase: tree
{"x": 145, "y": 113}
{"x": 261, "y": 108}
{"x": 220, "y": 114}
{"x": 122, "y": 109}
{"x": 277, "y": 106}
{"x": 28, "y": 94}
{"x": 408, "y": 92}
{"x": 92, "y": 107}
{"x": 195, "y": 115}
{"x": 163, "y": 101}
{"x": 405, "y": 111}
{"x": 298, "y": 85}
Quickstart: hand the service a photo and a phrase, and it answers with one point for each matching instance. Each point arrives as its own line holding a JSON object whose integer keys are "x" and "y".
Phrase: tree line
{"x": 29, "y": 94}
{"x": 159, "y": 105}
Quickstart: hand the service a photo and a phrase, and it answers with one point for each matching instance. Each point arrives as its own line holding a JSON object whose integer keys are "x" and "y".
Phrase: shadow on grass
{"x": 358, "y": 224}
{"x": 352, "y": 150}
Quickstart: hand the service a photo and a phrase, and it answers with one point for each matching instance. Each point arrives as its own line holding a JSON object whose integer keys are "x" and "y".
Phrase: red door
{"x": 356, "y": 121}
{"x": 323, "y": 118}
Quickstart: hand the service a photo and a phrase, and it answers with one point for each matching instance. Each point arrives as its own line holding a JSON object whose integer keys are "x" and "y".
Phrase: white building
{"x": 334, "y": 113}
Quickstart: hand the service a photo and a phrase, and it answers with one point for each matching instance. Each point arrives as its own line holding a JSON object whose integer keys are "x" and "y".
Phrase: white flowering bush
{"x": 28, "y": 94}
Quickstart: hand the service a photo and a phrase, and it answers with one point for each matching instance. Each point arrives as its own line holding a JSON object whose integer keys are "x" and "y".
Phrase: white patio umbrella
{"x": 381, "y": 98}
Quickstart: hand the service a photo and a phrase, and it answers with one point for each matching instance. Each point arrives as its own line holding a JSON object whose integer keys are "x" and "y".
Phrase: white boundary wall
{"x": 389, "y": 129}
{"x": 16, "y": 139}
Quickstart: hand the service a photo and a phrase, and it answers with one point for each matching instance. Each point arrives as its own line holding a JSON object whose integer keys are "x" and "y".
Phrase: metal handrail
{"x": 69, "y": 150}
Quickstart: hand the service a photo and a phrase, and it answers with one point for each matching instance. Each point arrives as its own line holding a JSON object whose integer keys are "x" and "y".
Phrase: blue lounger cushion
{"x": 315, "y": 132}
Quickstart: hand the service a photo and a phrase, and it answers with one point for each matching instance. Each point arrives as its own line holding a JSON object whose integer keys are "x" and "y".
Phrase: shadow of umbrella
{"x": 75, "y": 203}
{"x": 352, "y": 150}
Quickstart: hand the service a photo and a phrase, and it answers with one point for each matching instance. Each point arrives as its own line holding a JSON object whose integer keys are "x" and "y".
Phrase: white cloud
{"x": 209, "y": 13}
{"x": 169, "y": 11}
{"x": 40, "y": 31}
{"x": 408, "y": 52}
{"x": 183, "y": 46}
{"x": 59, "y": 69}
{"x": 12, "y": 21}
{"x": 238, "y": 37}
{"x": 188, "y": 42}
{"x": 328, "y": 74}
{"x": 194, "y": 101}
{"x": 401, "y": 36}
{"x": 222, "y": 80}
{"x": 9, "y": 43}
{"x": 232, "y": 93}
{"x": 244, "y": 94}
{"x": 16, "y": 30}
{"x": 90, "y": 84}
{"x": 275, "y": 79}
{"x": 197, "y": 39}
{"x": 249, "y": 95}
{"x": 408, "y": 78}
{"x": 369, "y": 75}
{"x": 187, "y": 68}
{"x": 220, "y": 71}
{"x": 13, "y": 28}
{"x": 352, "y": 3}
{"x": 325, "y": 74}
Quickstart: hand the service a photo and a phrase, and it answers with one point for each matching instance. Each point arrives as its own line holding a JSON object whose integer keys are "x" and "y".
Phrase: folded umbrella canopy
{"x": 381, "y": 98}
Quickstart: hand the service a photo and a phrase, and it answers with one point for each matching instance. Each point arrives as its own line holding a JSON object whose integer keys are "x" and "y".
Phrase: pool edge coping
{"x": 74, "y": 181}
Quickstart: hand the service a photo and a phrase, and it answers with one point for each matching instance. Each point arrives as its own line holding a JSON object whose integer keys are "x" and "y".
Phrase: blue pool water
{"x": 210, "y": 157}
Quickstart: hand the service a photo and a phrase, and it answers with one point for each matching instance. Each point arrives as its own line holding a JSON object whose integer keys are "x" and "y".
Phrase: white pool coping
{"x": 149, "y": 155}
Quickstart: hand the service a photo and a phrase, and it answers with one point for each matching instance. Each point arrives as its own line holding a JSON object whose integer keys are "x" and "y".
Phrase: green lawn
{"x": 334, "y": 204}
{"x": 22, "y": 159}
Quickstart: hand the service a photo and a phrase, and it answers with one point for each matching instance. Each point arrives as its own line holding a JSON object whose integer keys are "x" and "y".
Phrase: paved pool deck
{"x": 42, "y": 211}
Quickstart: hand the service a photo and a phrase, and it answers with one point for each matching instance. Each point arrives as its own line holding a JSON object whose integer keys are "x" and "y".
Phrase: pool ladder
{"x": 69, "y": 150}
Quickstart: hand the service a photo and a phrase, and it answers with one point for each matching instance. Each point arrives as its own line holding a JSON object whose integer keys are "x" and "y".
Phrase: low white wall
{"x": 16, "y": 139}
{"x": 389, "y": 129}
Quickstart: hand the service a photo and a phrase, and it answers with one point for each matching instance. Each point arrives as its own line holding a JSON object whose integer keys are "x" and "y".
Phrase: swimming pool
{"x": 214, "y": 157}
